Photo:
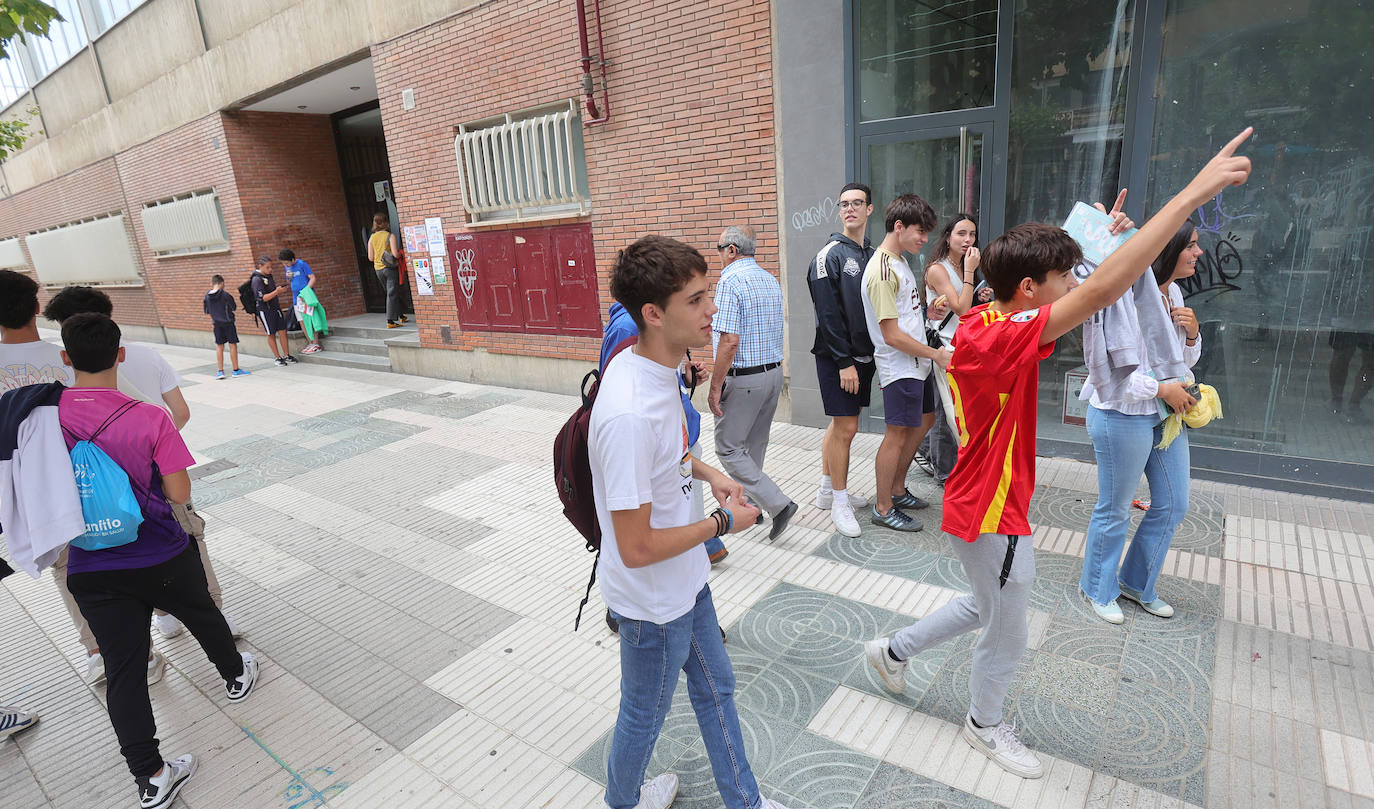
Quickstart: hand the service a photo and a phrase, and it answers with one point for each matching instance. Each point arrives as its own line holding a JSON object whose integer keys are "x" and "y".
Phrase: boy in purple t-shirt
{"x": 117, "y": 588}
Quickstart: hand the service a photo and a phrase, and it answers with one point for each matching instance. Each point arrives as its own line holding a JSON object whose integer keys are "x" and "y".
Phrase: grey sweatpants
{"x": 999, "y": 609}
{"x": 747, "y": 404}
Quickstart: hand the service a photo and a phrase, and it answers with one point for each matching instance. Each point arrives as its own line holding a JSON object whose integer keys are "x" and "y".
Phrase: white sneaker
{"x": 157, "y": 664}
{"x": 769, "y": 803}
{"x": 158, "y": 791}
{"x": 1000, "y": 744}
{"x": 167, "y": 625}
{"x": 842, "y": 517}
{"x": 95, "y": 669}
{"x": 826, "y": 498}
{"x": 658, "y": 793}
{"x": 892, "y": 673}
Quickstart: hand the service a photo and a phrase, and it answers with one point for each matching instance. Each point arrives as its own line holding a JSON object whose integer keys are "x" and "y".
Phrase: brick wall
{"x": 291, "y": 193}
{"x": 689, "y": 148}
{"x": 190, "y": 158}
{"x": 89, "y": 191}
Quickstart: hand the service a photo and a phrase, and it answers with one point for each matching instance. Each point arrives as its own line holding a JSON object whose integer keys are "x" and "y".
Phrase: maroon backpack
{"x": 572, "y": 470}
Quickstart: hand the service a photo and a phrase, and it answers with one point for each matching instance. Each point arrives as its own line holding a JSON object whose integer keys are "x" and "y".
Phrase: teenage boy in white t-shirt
{"x": 892, "y": 307}
{"x": 653, "y": 565}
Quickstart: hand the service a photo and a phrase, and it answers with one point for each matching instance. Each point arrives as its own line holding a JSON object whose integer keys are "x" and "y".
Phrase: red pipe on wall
{"x": 595, "y": 116}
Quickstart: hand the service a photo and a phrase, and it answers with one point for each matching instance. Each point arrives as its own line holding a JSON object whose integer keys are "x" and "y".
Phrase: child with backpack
{"x": 219, "y": 305}
{"x": 118, "y": 576}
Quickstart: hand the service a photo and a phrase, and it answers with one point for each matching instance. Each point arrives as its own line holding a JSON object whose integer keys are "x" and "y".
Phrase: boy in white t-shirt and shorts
{"x": 892, "y": 307}
{"x": 653, "y": 564}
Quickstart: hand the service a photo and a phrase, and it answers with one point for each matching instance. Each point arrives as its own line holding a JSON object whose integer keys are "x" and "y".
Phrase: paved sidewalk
{"x": 393, "y": 550}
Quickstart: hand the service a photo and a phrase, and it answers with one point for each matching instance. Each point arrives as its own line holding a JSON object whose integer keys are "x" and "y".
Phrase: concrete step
{"x": 354, "y": 345}
{"x": 347, "y": 360}
{"x": 373, "y": 333}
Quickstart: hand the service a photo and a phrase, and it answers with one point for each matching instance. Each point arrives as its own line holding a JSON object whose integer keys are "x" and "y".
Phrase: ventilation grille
{"x": 92, "y": 251}
{"x": 11, "y": 254}
{"x": 522, "y": 169}
{"x": 190, "y": 223}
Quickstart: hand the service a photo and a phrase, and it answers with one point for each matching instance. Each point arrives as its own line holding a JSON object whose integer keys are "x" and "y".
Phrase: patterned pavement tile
{"x": 819, "y": 773}
{"x": 895, "y": 788}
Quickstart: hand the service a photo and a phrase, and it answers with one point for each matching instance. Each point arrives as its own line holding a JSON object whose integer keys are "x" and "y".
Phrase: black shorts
{"x": 833, "y": 398}
{"x": 906, "y": 401}
{"x": 269, "y": 315}
{"x": 226, "y": 332}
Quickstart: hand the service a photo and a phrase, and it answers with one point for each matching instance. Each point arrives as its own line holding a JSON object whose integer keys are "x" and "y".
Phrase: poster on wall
{"x": 434, "y": 234}
{"x": 440, "y": 276}
{"x": 415, "y": 239}
{"x": 424, "y": 281}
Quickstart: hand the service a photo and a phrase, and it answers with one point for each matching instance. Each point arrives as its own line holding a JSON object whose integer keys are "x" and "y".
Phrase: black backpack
{"x": 246, "y": 297}
{"x": 572, "y": 470}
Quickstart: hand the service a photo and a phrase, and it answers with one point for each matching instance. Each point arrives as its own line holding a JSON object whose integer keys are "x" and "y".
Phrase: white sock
{"x": 841, "y": 498}
{"x": 825, "y": 483}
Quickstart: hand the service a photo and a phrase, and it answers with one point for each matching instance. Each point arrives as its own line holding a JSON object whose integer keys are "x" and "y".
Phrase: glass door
{"x": 943, "y": 166}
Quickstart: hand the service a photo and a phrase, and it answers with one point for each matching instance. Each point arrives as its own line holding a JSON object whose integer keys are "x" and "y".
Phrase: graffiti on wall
{"x": 824, "y": 212}
{"x": 1220, "y": 266}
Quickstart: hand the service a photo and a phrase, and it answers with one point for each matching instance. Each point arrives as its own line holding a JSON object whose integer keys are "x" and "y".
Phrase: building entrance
{"x": 367, "y": 188}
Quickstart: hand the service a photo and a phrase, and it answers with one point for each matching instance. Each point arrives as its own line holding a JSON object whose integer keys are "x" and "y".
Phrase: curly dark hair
{"x": 1033, "y": 251}
{"x": 18, "y": 299}
{"x": 76, "y": 300}
{"x": 650, "y": 270}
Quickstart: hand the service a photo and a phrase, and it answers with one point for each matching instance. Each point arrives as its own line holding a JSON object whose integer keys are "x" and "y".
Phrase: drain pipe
{"x": 595, "y": 116}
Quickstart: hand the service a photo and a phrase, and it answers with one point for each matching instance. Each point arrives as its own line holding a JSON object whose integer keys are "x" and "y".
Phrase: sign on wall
{"x": 424, "y": 281}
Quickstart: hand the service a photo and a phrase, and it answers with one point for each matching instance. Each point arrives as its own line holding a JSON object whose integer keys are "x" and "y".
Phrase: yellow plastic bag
{"x": 1208, "y": 407}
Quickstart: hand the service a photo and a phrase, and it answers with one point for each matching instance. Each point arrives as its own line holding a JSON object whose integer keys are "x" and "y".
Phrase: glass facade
{"x": 918, "y": 58}
{"x": 64, "y": 39}
{"x": 1095, "y": 100}
{"x": 12, "y": 81}
{"x": 1282, "y": 287}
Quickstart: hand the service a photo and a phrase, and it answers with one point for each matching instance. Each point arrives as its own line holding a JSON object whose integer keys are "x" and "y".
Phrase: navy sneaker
{"x": 909, "y": 501}
{"x": 13, "y": 720}
{"x": 894, "y": 519}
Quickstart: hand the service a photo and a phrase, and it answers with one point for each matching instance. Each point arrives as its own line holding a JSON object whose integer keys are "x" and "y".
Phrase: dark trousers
{"x": 390, "y": 279}
{"x": 118, "y": 604}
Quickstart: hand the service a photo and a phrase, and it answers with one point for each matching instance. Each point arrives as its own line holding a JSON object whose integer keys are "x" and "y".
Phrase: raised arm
{"x": 1131, "y": 260}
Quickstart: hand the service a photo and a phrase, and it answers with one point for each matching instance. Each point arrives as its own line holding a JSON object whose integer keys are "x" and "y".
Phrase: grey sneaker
{"x": 892, "y": 673}
{"x": 894, "y": 519}
{"x": 158, "y": 791}
{"x": 909, "y": 501}
{"x": 1000, "y": 744}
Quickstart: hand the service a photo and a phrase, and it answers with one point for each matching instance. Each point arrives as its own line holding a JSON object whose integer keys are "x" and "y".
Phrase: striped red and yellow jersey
{"x": 993, "y": 377}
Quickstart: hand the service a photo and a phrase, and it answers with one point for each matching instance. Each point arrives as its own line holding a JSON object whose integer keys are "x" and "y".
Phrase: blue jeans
{"x": 651, "y": 655}
{"x": 1125, "y": 447}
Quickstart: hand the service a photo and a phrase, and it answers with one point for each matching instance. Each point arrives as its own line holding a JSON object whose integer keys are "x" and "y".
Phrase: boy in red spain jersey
{"x": 994, "y": 376}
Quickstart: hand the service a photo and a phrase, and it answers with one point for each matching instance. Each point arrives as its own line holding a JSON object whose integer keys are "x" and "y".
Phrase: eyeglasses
{"x": 726, "y": 246}
{"x": 853, "y": 203}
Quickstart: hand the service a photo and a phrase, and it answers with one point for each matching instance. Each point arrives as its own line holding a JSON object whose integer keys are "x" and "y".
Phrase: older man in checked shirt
{"x": 747, "y": 378}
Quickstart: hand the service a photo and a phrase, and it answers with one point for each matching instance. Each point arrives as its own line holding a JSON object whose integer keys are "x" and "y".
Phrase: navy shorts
{"x": 833, "y": 398}
{"x": 269, "y": 315}
{"x": 226, "y": 332}
{"x": 905, "y": 401}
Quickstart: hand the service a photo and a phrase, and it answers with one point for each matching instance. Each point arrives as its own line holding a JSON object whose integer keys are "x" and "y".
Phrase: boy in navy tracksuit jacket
{"x": 220, "y": 306}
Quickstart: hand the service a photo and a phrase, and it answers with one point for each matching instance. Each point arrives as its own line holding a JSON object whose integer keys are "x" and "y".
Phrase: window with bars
{"x": 523, "y": 166}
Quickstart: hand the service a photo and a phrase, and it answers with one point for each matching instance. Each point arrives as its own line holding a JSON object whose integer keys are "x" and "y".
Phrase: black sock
{"x": 975, "y": 723}
{"x": 893, "y": 656}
